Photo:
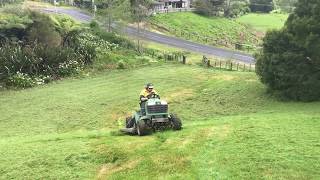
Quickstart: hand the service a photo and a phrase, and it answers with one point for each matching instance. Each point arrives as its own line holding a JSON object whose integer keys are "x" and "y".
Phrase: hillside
{"x": 215, "y": 31}
{"x": 232, "y": 129}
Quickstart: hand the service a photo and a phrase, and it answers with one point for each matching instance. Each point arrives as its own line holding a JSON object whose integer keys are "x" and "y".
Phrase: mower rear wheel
{"x": 175, "y": 122}
{"x": 129, "y": 122}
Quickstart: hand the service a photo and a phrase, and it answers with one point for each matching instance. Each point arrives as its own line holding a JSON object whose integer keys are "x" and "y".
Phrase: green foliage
{"x": 236, "y": 8}
{"x": 121, "y": 65}
{"x": 289, "y": 62}
{"x": 9, "y": 2}
{"x": 37, "y": 61}
{"x": 228, "y": 8}
{"x": 21, "y": 80}
{"x": 285, "y": 5}
{"x": 43, "y": 31}
{"x": 209, "y": 7}
{"x": 261, "y": 5}
{"x": 192, "y": 26}
{"x": 36, "y": 45}
{"x": 115, "y": 39}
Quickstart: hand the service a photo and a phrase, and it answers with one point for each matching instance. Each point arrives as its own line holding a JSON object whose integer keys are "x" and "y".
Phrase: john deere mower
{"x": 153, "y": 116}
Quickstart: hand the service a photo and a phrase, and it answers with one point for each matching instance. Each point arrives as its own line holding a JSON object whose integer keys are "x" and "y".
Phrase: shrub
{"x": 121, "y": 65}
{"x": 21, "y": 80}
{"x": 70, "y": 67}
{"x": 113, "y": 38}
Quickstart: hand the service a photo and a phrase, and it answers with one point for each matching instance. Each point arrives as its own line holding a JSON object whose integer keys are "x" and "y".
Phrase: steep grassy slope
{"x": 195, "y": 27}
{"x": 232, "y": 129}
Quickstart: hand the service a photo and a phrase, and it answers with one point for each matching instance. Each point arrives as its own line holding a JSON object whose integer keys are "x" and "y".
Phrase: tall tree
{"x": 290, "y": 59}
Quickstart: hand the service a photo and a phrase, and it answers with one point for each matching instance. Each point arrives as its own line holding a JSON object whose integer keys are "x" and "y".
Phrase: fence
{"x": 227, "y": 65}
{"x": 181, "y": 57}
{"x": 168, "y": 56}
{"x": 224, "y": 42}
{"x": 171, "y": 10}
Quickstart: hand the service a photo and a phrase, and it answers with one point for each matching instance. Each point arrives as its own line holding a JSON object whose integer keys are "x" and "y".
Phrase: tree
{"x": 228, "y": 8}
{"x": 112, "y": 10}
{"x": 290, "y": 59}
{"x": 285, "y": 5}
{"x": 261, "y": 5}
{"x": 234, "y": 8}
{"x": 140, "y": 12}
{"x": 209, "y": 7}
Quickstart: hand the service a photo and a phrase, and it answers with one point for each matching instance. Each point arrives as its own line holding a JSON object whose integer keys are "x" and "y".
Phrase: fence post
{"x": 215, "y": 63}
{"x": 231, "y": 66}
{"x": 208, "y": 63}
{"x": 184, "y": 59}
{"x": 220, "y": 64}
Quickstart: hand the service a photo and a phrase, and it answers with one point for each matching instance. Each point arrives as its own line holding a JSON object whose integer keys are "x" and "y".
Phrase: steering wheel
{"x": 153, "y": 95}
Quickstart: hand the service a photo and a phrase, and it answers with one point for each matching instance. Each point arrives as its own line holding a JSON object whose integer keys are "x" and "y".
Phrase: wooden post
{"x": 184, "y": 59}
{"x": 208, "y": 63}
{"x": 215, "y": 63}
{"x": 231, "y": 66}
{"x": 220, "y": 64}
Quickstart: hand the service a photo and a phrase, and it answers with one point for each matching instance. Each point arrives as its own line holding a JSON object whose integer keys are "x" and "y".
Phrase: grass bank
{"x": 215, "y": 31}
{"x": 263, "y": 22}
{"x": 232, "y": 129}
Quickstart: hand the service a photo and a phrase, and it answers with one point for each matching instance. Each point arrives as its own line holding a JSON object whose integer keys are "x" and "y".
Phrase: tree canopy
{"x": 290, "y": 60}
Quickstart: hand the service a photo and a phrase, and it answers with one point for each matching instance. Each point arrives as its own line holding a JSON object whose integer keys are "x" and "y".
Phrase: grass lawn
{"x": 195, "y": 27}
{"x": 263, "y": 22}
{"x": 232, "y": 129}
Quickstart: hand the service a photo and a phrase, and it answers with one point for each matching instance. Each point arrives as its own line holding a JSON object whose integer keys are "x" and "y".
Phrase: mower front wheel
{"x": 175, "y": 122}
{"x": 142, "y": 128}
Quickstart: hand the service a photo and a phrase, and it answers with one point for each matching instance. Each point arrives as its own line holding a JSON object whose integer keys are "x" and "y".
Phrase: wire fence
{"x": 172, "y": 10}
{"x": 227, "y": 65}
{"x": 226, "y": 41}
{"x": 181, "y": 57}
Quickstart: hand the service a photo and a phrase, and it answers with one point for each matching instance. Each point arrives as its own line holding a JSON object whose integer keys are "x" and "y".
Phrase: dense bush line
{"x": 36, "y": 48}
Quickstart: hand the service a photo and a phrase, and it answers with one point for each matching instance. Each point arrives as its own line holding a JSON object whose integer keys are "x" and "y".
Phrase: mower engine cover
{"x": 156, "y": 107}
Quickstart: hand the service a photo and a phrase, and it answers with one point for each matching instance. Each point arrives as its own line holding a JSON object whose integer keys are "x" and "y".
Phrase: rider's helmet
{"x": 149, "y": 86}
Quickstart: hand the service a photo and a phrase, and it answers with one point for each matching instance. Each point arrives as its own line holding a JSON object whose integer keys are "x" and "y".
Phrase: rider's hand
{"x": 144, "y": 99}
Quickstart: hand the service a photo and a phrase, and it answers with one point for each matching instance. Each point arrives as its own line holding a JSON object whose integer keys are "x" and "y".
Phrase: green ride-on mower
{"x": 153, "y": 116}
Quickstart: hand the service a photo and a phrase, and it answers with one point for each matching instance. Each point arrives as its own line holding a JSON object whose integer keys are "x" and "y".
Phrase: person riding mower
{"x": 152, "y": 116}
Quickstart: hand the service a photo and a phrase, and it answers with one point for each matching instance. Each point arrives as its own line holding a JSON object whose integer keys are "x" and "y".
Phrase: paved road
{"x": 163, "y": 39}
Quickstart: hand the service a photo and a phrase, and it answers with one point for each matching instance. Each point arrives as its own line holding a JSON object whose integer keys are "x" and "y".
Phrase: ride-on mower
{"x": 153, "y": 116}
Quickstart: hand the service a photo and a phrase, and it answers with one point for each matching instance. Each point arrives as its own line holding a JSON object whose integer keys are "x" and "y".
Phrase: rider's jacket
{"x": 145, "y": 93}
